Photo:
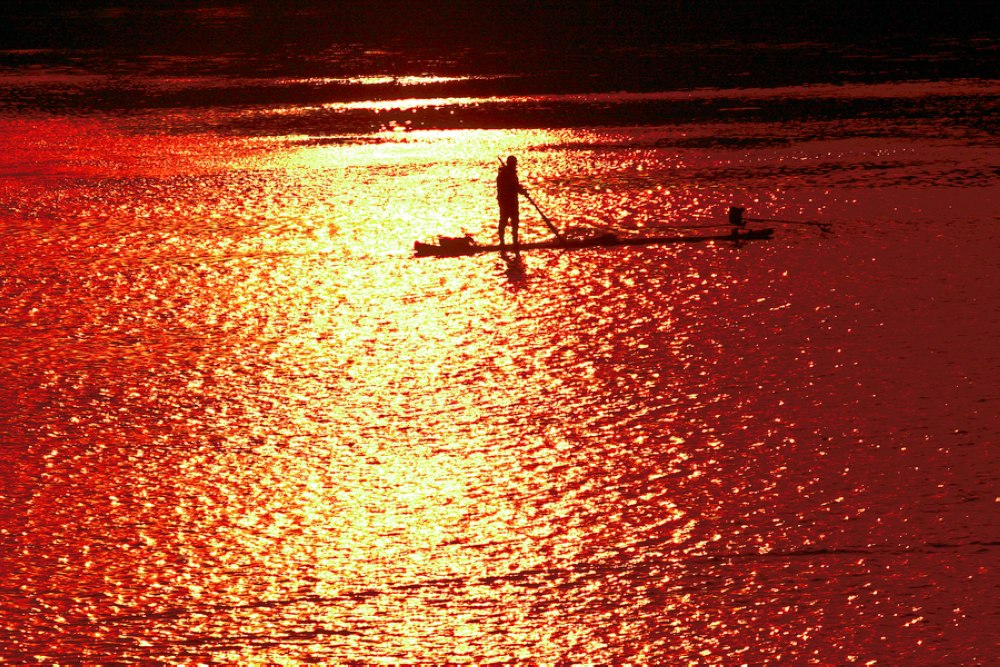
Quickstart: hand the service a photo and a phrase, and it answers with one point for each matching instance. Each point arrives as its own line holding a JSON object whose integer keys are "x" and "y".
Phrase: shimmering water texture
{"x": 239, "y": 422}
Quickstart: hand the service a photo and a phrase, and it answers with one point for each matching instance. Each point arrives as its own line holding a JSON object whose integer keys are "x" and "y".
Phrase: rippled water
{"x": 240, "y": 422}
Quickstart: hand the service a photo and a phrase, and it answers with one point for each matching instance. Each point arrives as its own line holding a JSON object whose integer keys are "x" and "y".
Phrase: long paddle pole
{"x": 545, "y": 218}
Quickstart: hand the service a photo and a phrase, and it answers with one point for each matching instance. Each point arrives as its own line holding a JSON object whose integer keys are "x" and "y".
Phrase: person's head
{"x": 512, "y": 162}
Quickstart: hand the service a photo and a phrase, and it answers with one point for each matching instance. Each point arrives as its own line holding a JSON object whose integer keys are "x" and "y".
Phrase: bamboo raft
{"x": 464, "y": 245}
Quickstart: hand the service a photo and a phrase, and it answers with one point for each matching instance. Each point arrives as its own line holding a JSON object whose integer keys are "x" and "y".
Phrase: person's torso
{"x": 507, "y": 184}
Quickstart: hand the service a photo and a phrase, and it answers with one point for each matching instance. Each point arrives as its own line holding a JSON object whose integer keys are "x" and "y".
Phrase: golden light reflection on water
{"x": 377, "y": 80}
{"x": 271, "y": 435}
{"x": 895, "y": 90}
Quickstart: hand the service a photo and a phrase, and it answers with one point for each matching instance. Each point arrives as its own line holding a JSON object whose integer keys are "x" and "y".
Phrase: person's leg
{"x": 515, "y": 220}
{"x": 502, "y": 227}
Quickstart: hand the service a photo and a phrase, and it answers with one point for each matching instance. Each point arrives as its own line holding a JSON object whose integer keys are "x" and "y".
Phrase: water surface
{"x": 239, "y": 422}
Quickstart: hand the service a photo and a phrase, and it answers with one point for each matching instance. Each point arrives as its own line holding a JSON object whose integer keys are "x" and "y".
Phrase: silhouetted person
{"x": 508, "y": 188}
{"x": 736, "y": 219}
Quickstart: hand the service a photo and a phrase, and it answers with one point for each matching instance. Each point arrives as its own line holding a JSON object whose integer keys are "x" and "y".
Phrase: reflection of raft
{"x": 461, "y": 246}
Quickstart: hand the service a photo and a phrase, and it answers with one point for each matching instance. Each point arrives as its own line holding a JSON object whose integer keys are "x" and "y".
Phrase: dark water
{"x": 239, "y": 422}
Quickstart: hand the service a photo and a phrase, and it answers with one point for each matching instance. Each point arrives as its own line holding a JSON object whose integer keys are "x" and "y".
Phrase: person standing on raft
{"x": 508, "y": 188}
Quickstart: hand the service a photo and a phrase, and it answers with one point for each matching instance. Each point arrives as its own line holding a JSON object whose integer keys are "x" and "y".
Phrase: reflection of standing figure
{"x": 508, "y": 188}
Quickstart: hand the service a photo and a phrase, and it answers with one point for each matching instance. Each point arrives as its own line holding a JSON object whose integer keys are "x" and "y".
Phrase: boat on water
{"x": 465, "y": 245}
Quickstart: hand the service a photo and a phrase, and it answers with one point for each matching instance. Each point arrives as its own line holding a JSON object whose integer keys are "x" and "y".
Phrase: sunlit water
{"x": 240, "y": 422}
